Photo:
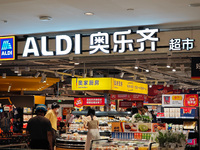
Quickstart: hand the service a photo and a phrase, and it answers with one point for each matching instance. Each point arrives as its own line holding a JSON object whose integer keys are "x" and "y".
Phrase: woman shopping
{"x": 92, "y": 124}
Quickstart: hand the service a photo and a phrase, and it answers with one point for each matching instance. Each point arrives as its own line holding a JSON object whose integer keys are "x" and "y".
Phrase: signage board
{"x": 89, "y": 101}
{"x": 129, "y": 86}
{"x": 175, "y": 100}
{"x": 191, "y": 100}
{"x": 78, "y": 102}
{"x": 7, "y": 48}
{"x": 133, "y": 97}
{"x": 94, "y": 101}
{"x": 91, "y": 84}
{"x": 195, "y": 68}
{"x": 110, "y": 84}
{"x": 125, "y": 104}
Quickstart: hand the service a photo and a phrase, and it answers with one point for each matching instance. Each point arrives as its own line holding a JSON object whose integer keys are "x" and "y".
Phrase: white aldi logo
{"x": 7, "y": 48}
{"x": 6, "y": 45}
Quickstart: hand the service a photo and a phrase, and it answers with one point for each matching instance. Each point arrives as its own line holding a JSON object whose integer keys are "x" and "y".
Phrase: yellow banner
{"x": 129, "y": 86}
{"x": 91, "y": 84}
{"x": 111, "y": 84}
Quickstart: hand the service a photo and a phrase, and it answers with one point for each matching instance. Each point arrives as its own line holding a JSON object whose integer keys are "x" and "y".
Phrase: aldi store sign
{"x": 7, "y": 48}
{"x": 100, "y": 41}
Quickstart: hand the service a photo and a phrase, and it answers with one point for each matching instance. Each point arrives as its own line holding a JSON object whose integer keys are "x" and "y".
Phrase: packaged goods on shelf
{"x": 122, "y": 145}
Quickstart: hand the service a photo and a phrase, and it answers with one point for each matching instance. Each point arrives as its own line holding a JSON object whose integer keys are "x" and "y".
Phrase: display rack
{"x": 179, "y": 120}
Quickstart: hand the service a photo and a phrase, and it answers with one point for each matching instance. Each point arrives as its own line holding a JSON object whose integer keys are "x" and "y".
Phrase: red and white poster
{"x": 191, "y": 100}
{"x": 125, "y": 104}
{"x": 133, "y": 97}
{"x": 94, "y": 101}
{"x": 78, "y": 102}
{"x": 89, "y": 101}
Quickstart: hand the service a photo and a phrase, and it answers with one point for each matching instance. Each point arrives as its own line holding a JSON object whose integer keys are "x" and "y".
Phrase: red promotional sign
{"x": 89, "y": 101}
{"x": 78, "y": 102}
{"x": 94, "y": 101}
{"x": 125, "y": 104}
{"x": 191, "y": 100}
{"x": 134, "y": 97}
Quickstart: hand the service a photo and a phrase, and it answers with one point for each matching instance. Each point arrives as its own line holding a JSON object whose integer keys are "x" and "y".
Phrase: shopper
{"x": 147, "y": 113}
{"x": 52, "y": 116}
{"x": 40, "y": 130}
{"x": 138, "y": 116}
{"x": 92, "y": 124}
{"x": 154, "y": 120}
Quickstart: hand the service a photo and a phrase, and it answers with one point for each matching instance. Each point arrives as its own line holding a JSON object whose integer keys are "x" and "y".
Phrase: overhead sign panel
{"x": 7, "y": 48}
{"x": 110, "y": 84}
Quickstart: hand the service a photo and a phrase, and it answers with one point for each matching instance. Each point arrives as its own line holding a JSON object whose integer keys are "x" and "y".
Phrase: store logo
{"x": 7, "y": 48}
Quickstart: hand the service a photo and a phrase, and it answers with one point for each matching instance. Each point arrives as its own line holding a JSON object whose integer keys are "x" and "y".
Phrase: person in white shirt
{"x": 147, "y": 113}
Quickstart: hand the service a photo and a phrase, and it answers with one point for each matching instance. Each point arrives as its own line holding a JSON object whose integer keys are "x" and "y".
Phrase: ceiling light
{"x": 137, "y": 65}
{"x": 37, "y": 74}
{"x": 168, "y": 63}
{"x": 84, "y": 75}
{"x": 27, "y": 68}
{"x": 182, "y": 68}
{"x": 9, "y": 87}
{"x": 44, "y": 78}
{"x": 76, "y": 63}
{"x": 16, "y": 70}
{"x": 19, "y": 73}
{"x": 62, "y": 79}
{"x": 45, "y": 18}
{"x": 174, "y": 68}
{"x": 0, "y": 64}
{"x": 130, "y": 9}
{"x": 165, "y": 83}
{"x": 4, "y": 75}
{"x": 89, "y": 13}
{"x": 150, "y": 86}
{"x": 56, "y": 74}
{"x": 135, "y": 77}
{"x": 145, "y": 80}
{"x": 73, "y": 73}
{"x": 91, "y": 73}
{"x": 195, "y": 5}
{"x": 121, "y": 74}
{"x": 147, "y": 70}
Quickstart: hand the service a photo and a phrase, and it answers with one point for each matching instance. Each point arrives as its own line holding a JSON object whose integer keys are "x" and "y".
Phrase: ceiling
{"x": 21, "y": 17}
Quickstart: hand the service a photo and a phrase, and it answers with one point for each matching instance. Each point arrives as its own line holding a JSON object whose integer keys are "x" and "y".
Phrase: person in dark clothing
{"x": 154, "y": 120}
{"x": 40, "y": 130}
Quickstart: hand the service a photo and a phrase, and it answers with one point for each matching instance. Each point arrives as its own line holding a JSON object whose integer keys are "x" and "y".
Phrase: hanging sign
{"x": 7, "y": 48}
{"x": 110, "y": 84}
{"x": 89, "y": 101}
{"x": 125, "y": 104}
{"x": 191, "y": 100}
{"x": 195, "y": 68}
{"x": 78, "y": 102}
{"x": 133, "y": 97}
{"x": 94, "y": 101}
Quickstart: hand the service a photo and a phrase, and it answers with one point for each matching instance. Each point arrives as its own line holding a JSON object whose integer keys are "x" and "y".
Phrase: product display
{"x": 122, "y": 145}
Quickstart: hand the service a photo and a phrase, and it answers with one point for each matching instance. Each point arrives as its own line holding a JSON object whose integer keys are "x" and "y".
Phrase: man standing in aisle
{"x": 40, "y": 130}
{"x": 147, "y": 113}
{"x": 52, "y": 116}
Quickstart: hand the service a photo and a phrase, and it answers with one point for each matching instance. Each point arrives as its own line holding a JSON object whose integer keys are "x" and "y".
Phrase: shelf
{"x": 177, "y": 118}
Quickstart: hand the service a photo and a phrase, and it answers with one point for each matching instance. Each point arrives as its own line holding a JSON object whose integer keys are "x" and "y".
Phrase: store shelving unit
{"x": 180, "y": 120}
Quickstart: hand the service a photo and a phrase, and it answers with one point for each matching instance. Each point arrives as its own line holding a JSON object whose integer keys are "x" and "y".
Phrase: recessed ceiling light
{"x": 76, "y": 63}
{"x": 45, "y": 18}
{"x": 195, "y": 5}
{"x": 89, "y": 13}
{"x": 130, "y": 9}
